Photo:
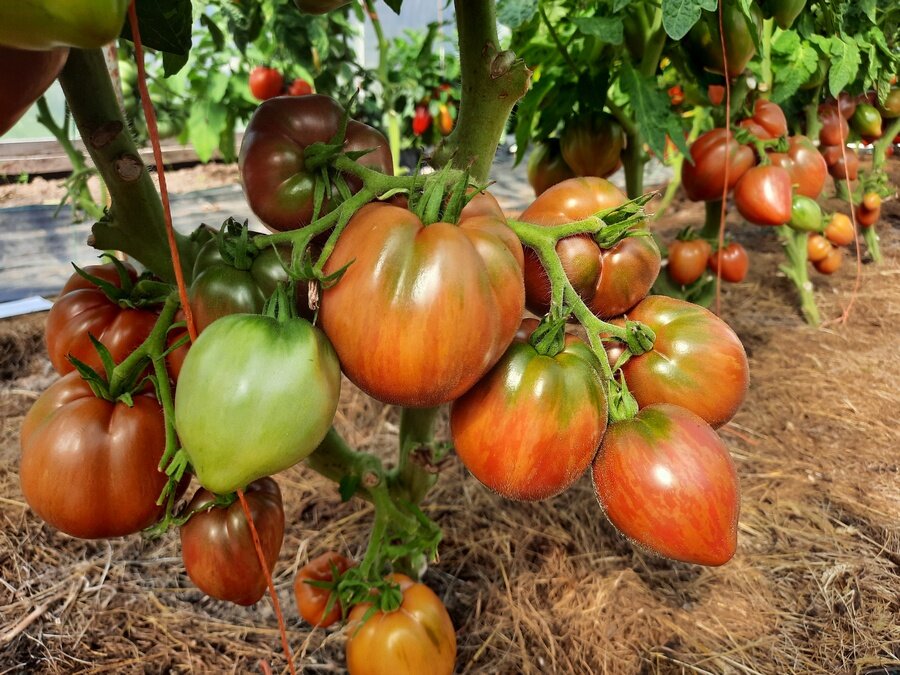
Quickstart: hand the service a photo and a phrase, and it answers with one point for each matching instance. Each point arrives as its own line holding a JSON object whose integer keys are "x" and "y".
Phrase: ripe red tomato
{"x": 735, "y": 263}
{"x": 676, "y": 95}
{"x": 866, "y": 216}
{"x": 24, "y": 76}
{"x": 217, "y": 545}
{"x": 546, "y": 166}
{"x": 687, "y": 260}
{"x": 611, "y": 281}
{"x": 86, "y": 310}
{"x": 839, "y": 230}
{"x": 89, "y": 466}
{"x": 278, "y": 186}
{"x": 592, "y": 145}
{"x": 704, "y": 177}
{"x": 697, "y": 362}
{"x": 421, "y": 120}
{"x": 817, "y": 247}
{"x": 312, "y": 601}
{"x": 265, "y": 83}
{"x": 768, "y": 120}
{"x": 716, "y": 94}
{"x": 805, "y": 164}
{"x": 530, "y": 427}
{"x": 831, "y": 263}
{"x": 441, "y": 303}
{"x": 416, "y": 638}
{"x": 763, "y": 195}
{"x": 666, "y": 481}
{"x": 837, "y": 167}
{"x": 300, "y": 87}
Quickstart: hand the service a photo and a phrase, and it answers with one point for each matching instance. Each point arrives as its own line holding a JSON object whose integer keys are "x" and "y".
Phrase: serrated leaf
{"x": 785, "y": 42}
{"x": 619, "y": 5}
{"x": 845, "y": 63}
{"x": 165, "y": 25}
{"x": 218, "y": 37}
{"x": 679, "y": 16}
{"x": 794, "y": 71}
{"x": 609, "y": 29}
{"x": 515, "y": 13}
{"x": 205, "y": 124}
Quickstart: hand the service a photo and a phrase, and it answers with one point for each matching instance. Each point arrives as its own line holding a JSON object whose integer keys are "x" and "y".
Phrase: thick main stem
{"x": 633, "y": 163}
{"x": 794, "y": 242}
{"x": 492, "y": 82}
{"x": 135, "y": 224}
{"x": 870, "y": 236}
{"x": 710, "y": 230}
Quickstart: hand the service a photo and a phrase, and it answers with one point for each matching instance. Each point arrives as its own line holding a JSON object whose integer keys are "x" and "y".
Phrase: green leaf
{"x": 515, "y": 13}
{"x": 785, "y": 43}
{"x": 845, "y": 63}
{"x": 165, "y": 25}
{"x": 650, "y": 105}
{"x": 205, "y": 124}
{"x": 679, "y": 16}
{"x": 794, "y": 71}
{"x": 619, "y": 5}
{"x": 173, "y": 63}
{"x": 526, "y": 111}
{"x": 394, "y": 5}
{"x": 218, "y": 37}
{"x": 608, "y": 29}
{"x": 868, "y": 7}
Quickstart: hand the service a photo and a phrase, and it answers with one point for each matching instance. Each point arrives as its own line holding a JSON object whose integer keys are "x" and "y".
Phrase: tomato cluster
{"x": 266, "y": 83}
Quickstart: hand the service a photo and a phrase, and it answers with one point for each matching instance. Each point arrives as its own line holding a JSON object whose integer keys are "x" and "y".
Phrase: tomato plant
{"x": 418, "y": 637}
{"x": 817, "y": 247}
{"x": 530, "y": 427}
{"x": 665, "y": 479}
{"x": 313, "y": 601}
{"x": 806, "y": 215}
{"x": 831, "y": 263}
{"x": 300, "y": 87}
{"x": 217, "y": 545}
{"x": 89, "y": 466}
{"x": 704, "y": 40}
{"x": 805, "y": 164}
{"x": 768, "y": 120}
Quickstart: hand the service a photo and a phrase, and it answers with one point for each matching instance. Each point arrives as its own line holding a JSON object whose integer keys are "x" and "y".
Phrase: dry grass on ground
{"x": 544, "y": 588}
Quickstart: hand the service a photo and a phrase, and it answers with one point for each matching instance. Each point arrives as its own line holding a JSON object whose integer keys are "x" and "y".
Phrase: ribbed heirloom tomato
{"x": 839, "y": 230}
{"x": 82, "y": 309}
{"x": 805, "y": 164}
{"x": 278, "y": 185}
{"x": 423, "y": 311}
{"x": 697, "y": 362}
{"x": 312, "y": 601}
{"x": 531, "y": 426}
{"x": 768, "y": 120}
{"x": 415, "y": 639}
{"x": 666, "y": 480}
{"x": 546, "y": 166}
{"x": 217, "y": 545}
{"x": 704, "y": 176}
{"x": 610, "y": 281}
{"x": 89, "y": 466}
{"x": 592, "y": 144}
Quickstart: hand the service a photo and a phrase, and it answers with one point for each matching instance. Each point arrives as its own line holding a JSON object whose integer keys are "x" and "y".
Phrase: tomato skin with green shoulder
{"x": 417, "y": 638}
{"x": 610, "y": 281}
{"x": 666, "y": 481}
{"x": 806, "y": 215}
{"x": 255, "y": 396}
{"x": 703, "y": 41}
{"x": 89, "y": 466}
{"x": 45, "y": 24}
{"x": 697, "y": 362}
{"x": 866, "y": 121}
{"x": 278, "y": 185}
{"x": 24, "y": 76}
{"x": 424, "y": 311}
{"x": 890, "y": 109}
{"x": 763, "y": 195}
{"x": 217, "y": 544}
{"x": 529, "y": 428}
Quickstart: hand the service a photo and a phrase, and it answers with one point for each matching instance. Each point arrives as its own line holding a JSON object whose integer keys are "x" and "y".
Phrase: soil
{"x": 547, "y": 587}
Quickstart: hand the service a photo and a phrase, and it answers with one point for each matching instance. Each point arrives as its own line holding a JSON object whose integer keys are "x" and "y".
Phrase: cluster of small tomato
{"x": 590, "y": 145}
{"x": 436, "y": 112}
{"x": 266, "y": 83}
{"x": 689, "y": 257}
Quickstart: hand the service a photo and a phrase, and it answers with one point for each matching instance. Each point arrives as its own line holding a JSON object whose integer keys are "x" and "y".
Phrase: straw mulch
{"x": 549, "y": 587}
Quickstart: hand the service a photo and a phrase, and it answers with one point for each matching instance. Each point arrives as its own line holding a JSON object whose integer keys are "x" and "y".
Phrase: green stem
{"x": 653, "y": 47}
{"x": 870, "y": 236}
{"x": 766, "y": 85}
{"x": 415, "y": 474}
{"x": 710, "y": 230}
{"x": 622, "y": 117}
{"x": 492, "y": 82}
{"x": 135, "y": 224}
{"x": 678, "y": 164}
{"x": 634, "y": 161}
{"x": 879, "y": 148}
{"x": 78, "y": 189}
{"x": 555, "y": 37}
{"x": 383, "y": 72}
{"x": 794, "y": 242}
{"x": 813, "y": 123}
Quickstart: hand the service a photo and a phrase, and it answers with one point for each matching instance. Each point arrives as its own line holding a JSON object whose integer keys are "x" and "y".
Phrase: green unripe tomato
{"x": 890, "y": 109}
{"x": 255, "y": 396}
{"x": 866, "y": 121}
{"x": 806, "y": 214}
{"x": 44, "y": 24}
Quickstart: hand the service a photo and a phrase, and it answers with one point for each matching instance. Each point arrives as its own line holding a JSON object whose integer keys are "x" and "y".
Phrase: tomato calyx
{"x": 745, "y": 136}
{"x": 549, "y": 338}
{"x": 130, "y": 293}
{"x": 622, "y": 404}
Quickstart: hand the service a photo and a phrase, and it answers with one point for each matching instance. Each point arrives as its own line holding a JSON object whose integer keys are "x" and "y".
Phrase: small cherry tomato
{"x": 687, "y": 260}
{"x": 735, "y": 263}
{"x": 265, "y": 83}
{"x": 300, "y": 87}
